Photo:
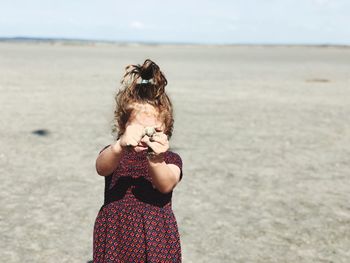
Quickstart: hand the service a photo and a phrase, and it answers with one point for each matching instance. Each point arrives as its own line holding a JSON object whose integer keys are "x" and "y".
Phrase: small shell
{"x": 149, "y": 131}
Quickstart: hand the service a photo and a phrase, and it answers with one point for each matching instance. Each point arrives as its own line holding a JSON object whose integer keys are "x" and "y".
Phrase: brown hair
{"x": 142, "y": 84}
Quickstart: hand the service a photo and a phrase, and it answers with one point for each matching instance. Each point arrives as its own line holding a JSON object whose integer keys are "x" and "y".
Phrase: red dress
{"x": 136, "y": 222}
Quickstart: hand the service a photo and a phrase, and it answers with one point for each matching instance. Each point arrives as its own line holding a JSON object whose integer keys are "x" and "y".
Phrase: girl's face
{"x": 147, "y": 116}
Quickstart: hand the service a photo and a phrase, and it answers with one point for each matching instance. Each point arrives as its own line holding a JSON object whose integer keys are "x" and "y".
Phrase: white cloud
{"x": 137, "y": 25}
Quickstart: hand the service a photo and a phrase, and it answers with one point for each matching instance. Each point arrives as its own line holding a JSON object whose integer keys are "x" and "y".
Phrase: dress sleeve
{"x": 174, "y": 158}
{"x": 104, "y": 148}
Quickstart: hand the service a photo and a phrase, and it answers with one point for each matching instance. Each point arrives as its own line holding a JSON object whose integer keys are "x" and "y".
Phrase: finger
{"x": 160, "y": 140}
{"x": 132, "y": 142}
{"x": 156, "y": 147}
{"x": 136, "y": 137}
{"x": 160, "y": 136}
{"x": 159, "y": 147}
{"x": 145, "y": 139}
{"x": 153, "y": 144}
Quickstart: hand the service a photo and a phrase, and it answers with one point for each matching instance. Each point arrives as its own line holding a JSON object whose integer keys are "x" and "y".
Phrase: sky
{"x": 181, "y": 21}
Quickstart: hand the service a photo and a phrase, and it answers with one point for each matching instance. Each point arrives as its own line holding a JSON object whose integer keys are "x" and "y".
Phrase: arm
{"x": 108, "y": 160}
{"x": 164, "y": 176}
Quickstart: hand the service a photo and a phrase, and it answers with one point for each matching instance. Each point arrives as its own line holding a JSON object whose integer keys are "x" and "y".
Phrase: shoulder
{"x": 104, "y": 148}
{"x": 173, "y": 157}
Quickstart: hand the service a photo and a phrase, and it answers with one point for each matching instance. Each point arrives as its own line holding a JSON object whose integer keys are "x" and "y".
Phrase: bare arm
{"x": 108, "y": 160}
{"x": 164, "y": 176}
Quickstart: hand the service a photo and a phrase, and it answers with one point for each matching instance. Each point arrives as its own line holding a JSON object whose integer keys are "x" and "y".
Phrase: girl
{"x": 136, "y": 222}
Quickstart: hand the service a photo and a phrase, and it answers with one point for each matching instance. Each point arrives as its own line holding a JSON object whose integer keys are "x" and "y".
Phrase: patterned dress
{"x": 136, "y": 222}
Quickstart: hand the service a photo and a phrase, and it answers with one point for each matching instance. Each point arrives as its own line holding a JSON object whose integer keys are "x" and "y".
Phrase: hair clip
{"x": 144, "y": 81}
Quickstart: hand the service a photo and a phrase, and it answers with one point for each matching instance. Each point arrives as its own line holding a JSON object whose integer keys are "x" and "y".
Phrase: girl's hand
{"x": 158, "y": 142}
{"x": 132, "y": 135}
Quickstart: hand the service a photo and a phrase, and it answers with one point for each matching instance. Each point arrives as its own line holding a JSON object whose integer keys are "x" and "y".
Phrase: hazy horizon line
{"x": 130, "y": 42}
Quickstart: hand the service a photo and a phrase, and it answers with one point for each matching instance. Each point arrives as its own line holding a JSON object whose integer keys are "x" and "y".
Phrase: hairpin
{"x": 144, "y": 81}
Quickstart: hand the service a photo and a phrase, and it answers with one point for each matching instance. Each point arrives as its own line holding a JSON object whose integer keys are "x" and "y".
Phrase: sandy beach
{"x": 263, "y": 132}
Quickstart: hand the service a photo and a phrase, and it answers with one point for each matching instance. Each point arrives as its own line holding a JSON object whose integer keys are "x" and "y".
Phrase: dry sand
{"x": 264, "y": 134}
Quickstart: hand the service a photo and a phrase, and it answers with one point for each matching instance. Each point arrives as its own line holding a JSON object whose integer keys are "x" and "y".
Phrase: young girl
{"x": 136, "y": 222}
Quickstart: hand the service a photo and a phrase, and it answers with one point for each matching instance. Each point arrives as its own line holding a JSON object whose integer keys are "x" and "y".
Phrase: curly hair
{"x": 142, "y": 84}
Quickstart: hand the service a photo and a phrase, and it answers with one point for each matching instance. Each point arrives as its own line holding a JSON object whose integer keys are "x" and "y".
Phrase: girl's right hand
{"x": 132, "y": 135}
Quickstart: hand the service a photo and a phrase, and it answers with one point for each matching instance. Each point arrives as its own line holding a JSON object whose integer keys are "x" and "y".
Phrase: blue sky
{"x": 181, "y": 21}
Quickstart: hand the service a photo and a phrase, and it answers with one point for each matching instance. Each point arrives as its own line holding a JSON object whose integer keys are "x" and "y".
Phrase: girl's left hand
{"x": 158, "y": 142}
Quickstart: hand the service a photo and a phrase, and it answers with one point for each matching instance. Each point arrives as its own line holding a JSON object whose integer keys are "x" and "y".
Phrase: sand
{"x": 263, "y": 132}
